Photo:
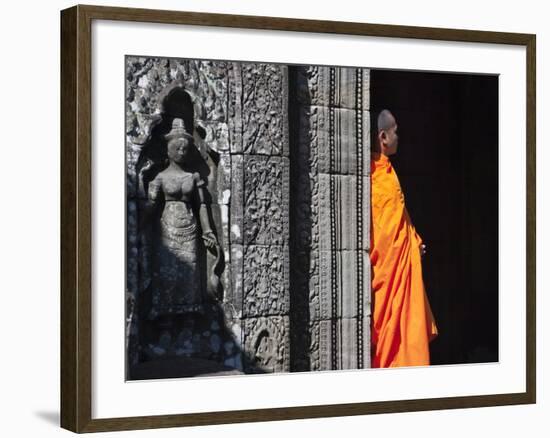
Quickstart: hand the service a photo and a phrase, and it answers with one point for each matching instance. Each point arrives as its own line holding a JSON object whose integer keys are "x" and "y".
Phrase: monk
{"x": 402, "y": 322}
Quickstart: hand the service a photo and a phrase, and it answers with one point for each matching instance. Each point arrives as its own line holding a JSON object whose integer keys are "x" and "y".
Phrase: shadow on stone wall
{"x": 300, "y": 219}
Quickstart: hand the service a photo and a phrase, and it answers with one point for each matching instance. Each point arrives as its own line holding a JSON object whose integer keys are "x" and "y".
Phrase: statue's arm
{"x": 202, "y": 196}
{"x": 154, "y": 197}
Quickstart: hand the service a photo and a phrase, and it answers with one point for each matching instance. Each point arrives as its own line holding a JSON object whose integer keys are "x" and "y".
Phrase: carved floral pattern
{"x": 262, "y": 108}
{"x": 265, "y": 203}
{"x": 265, "y": 280}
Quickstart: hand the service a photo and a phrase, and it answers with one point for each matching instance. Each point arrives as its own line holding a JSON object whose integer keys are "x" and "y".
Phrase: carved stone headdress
{"x": 178, "y": 131}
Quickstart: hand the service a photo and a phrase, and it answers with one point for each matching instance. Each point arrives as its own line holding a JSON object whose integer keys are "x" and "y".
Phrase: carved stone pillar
{"x": 330, "y": 220}
{"x": 259, "y": 213}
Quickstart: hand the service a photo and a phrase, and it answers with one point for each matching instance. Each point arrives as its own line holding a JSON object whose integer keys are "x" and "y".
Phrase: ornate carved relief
{"x": 147, "y": 78}
{"x": 171, "y": 268}
{"x": 347, "y": 333}
{"x": 264, "y": 111}
{"x": 265, "y": 280}
{"x": 314, "y": 346}
{"x": 350, "y": 230}
{"x": 258, "y": 126}
{"x": 333, "y": 141}
{"x": 316, "y": 87}
{"x": 235, "y": 91}
{"x": 236, "y": 230}
{"x": 306, "y": 161}
{"x": 234, "y": 298}
{"x": 241, "y": 123}
{"x": 266, "y": 341}
{"x": 265, "y": 200}
{"x": 350, "y": 129}
{"x": 305, "y": 269}
{"x": 326, "y": 345}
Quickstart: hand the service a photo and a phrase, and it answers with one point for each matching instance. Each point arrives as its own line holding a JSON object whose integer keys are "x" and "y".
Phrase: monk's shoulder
{"x": 386, "y": 185}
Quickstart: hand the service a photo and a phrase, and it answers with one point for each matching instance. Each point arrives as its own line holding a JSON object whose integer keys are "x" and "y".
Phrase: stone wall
{"x": 330, "y": 157}
{"x": 285, "y": 154}
{"x": 259, "y": 234}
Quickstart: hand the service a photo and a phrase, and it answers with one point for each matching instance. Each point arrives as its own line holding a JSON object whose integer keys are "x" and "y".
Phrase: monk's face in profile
{"x": 389, "y": 138}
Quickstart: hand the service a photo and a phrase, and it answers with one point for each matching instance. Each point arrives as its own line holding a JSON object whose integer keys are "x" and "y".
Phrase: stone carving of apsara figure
{"x": 181, "y": 195}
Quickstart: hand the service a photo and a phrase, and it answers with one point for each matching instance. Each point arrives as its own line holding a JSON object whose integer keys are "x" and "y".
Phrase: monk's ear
{"x": 382, "y": 136}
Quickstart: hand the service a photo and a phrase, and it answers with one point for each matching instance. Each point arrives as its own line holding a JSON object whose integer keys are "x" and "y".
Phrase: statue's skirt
{"x": 176, "y": 277}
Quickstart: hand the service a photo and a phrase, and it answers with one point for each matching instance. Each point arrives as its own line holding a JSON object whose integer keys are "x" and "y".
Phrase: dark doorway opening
{"x": 447, "y": 164}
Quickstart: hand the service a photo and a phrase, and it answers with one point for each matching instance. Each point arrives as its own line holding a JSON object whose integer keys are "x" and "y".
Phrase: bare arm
{"x": 208, "y": 235}
{"x": 154, "y": 197}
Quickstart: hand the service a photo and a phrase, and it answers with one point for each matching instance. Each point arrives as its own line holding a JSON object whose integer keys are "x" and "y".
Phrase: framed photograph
{"x": 268, "y": 218}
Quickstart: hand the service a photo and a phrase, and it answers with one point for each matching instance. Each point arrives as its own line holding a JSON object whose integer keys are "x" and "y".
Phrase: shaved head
{"x": 385, "y": 134}
{"x": 385, "y": 120}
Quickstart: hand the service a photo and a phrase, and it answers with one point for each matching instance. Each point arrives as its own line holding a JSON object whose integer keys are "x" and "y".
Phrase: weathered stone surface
{"x": 344, "y": 222}
{"x": 265, "y": 200}
{"x": 220, "y": 215}
{"x": 264, "y": 109}
{"x": 133, "y": 152}
{"x": 236, "y": 329}
{"x": 267, "y": 343}
{"x": 237, "y": 199}
{"x": 341, "y": 137}
{"x": 132, "y": 242}
{"x": 196, "y": 337}
{"x": 331, "y": 222}
{"x": 222, "y": 194}
{"x": 148, "y": 81}
{"x": 163, "y": 264}
{"x": 305, "y": 276}
{"x": 266, "y": 280}
{"x": 265, "y": 318}
{"x": 304, "y": 347}
{"x": 235, "y": 298}
{"x": 326, "y": 345}
{"x": 339, "y": 344}
{"x": 235, "y": 92}
{"x": 314, "y": 351}
{"x": 342, "y": 87}
{"x": 365, "y": 340}
{"x": 132, "y": 283}
{"x": 147, "y": 78}
{"x": 347, "y": 355}
{"x": 217, "y": 135}
{"x": 338, "y": 290}
{"x": 305, "y": 195}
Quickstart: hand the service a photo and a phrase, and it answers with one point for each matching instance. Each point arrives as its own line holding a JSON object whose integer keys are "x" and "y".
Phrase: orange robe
{"x": 402, "y": 323}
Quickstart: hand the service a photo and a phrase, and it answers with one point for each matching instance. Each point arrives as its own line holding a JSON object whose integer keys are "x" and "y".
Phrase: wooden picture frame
{"x": 76, "y": 218}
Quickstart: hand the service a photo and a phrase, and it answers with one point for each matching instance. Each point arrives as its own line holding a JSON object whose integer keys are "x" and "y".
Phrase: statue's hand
{"x": 145, "y": 168}
{"x": 209, "y": 239}
{"x": 148, "y": 164}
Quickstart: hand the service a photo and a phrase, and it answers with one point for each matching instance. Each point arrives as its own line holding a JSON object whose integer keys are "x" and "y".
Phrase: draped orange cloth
{"x": 402, "y": 323}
